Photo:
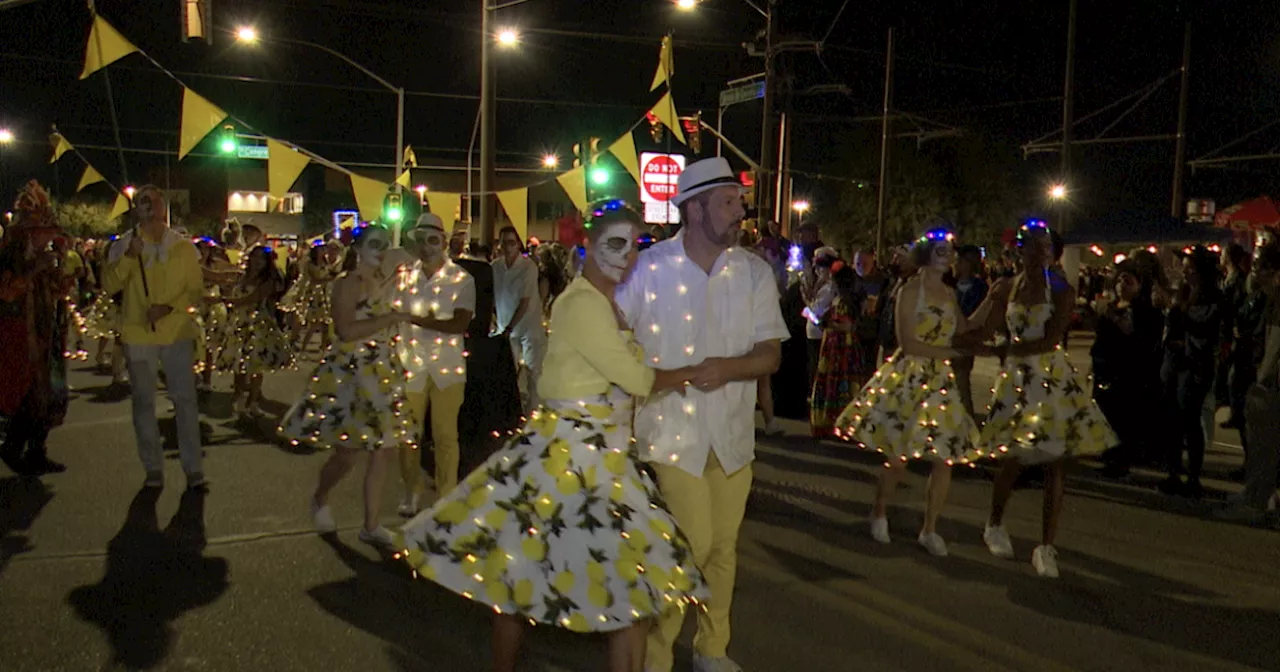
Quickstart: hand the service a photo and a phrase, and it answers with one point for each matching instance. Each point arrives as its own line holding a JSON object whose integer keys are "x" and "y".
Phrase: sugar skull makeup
{"x": 613, "y": 249}
{"x": 374, "y": 243}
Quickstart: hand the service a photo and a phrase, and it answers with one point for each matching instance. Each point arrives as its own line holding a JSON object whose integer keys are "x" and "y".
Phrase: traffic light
{"x": 393, "y": 208}
{"x": 228, "y": 142}
{"x": 577, "y": 155}
{"x": 693, "y": 131}
{"x": 600, "y": 176}
{"x": 595, "y": 149}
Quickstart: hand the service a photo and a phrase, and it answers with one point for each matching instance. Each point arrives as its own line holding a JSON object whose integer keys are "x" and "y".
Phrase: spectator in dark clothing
{"x": 1235, "y": 292}
{"x": 971, "y": 290}
{"x": 1126, "y": 367}
{"x": 1248, "y": 335}
{"x": 868, "y": 292}
{"x": 1190, "y": 355}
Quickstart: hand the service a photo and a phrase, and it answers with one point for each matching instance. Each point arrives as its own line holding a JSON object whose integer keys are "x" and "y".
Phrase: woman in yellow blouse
{"x": 562, "y": 526}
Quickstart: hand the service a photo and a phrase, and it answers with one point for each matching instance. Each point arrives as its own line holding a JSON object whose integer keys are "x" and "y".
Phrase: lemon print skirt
{"x": 561, "y": 527}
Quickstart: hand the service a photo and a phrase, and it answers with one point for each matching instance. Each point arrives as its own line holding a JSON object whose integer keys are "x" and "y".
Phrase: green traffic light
{"x": 394, "y": 214}
{"x": 228, "y": 146}
{"x": 600, "y": 177}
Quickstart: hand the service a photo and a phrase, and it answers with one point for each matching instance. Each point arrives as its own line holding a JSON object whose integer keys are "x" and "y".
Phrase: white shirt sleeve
{"x": 766, "y": 306}
{"x": 822, "y": 300}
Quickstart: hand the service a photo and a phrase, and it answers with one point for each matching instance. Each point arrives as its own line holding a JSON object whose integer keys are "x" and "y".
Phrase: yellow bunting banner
{"x": 516, "y": 204}
{"x": 405, "y": 179}
{"x": 284, "y": 165}
{"x": 91, "y": 176}
{"x": 410, "y": 157}
{"x": 665, "y": 111}
{"x": 60, "y": 146}
{"x": 120, "y": 207}
{"x": 199, "y": 117}
{"x": 369, "y": 194}
{"x": 448, "y": 207}
{"x": 666, "y": 65}
{"x": 625, "y": 151}
{"x": 574, "y": 184}
{"x": 106, "y": 46}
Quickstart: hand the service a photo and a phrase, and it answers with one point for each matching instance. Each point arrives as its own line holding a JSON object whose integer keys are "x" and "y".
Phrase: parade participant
{"x": 515, "y": 279}
{"x": 33, "y": 328}
{"x": 1040, "y": 411}
{"x": 256, "y": 344}
{"x": 219, "y": 277}
{"x": 697, "y": 299}
{"x": 562, "y": 526}
{"x": 158, "y": 270}
{"x": 308, "y": 297}
{"x": 355, "y": 399}
{"x": 911, "y": 408}
{"x": 443, "y": 298}
{"x": 841, "y": 369}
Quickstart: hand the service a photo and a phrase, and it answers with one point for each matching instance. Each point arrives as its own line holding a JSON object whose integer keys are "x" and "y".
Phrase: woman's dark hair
{"x": 1146, "y": 282}
{"x": 269, "y": 273}
{"x": 1205, "y": 264}
{"x": 313, "y": 255}
{"x": 604, "y": 213}
{"x": 845, "y": 281}
{"x": 1238, "y": 257}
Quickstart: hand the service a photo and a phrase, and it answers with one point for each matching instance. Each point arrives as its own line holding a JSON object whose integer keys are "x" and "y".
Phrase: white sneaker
{"x": 409, "y": 506}
{"x": 880, "y": 530}
{"x": 322, "y": 517}
{"x": 1045, "y": 560}
{"x": 998, "y": 541}
{"x": 378, "y": 536}
{"x": 933, "y": 543}
{"x": 722, "y": 664}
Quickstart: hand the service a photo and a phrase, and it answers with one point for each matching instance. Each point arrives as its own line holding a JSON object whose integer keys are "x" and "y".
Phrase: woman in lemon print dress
{"x": 254, "y": 344}
{"x": 354, "y": 399}
{"x": 562, "y": 526}
{"x": 1041, "y": 411}
{"x": 911, "y": 407}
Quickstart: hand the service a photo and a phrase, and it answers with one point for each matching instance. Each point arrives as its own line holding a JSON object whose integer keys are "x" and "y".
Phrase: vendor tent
{"x": 1256, "y": 215}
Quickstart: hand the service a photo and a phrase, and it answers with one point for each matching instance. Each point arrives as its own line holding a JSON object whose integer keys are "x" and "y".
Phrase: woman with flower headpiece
{"x": 33, "y": 329}
{"x": 562, "y": 526}
{"x": 911, "y": 408}
{"x": 840, "y": 372}
{"x": 1041, "y": 411}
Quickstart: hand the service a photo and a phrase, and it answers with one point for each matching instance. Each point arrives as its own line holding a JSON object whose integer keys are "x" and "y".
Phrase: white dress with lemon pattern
{"x": 356, "y": 395}
{"x": 254, "y": 343}
{"x": 562, "y": 526}
{"x": 1041, "y": 408}
{"x": 911, "y": 406}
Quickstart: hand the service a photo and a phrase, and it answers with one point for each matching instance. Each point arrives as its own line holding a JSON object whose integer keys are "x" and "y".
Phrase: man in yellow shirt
{"x": 159, "y": 272}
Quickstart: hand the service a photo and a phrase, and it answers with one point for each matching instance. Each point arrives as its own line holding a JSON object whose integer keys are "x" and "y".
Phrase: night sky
{"x": 993, "y": 68}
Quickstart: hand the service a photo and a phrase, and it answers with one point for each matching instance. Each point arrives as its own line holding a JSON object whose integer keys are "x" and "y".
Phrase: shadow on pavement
{"x": 151, "y": 578}
{"x": 22, "y": 498}
{"x": 111, "y": 393}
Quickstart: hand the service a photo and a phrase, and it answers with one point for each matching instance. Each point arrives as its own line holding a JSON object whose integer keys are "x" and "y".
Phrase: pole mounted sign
{"x": 659, "y": 174}
{"x": 742, "y": 94}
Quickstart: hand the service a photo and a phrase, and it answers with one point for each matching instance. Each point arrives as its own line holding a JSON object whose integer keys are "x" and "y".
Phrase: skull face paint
{"x": 612, "y": 250}
{"x": 374, "y": 243}
{"x": 430, "y": 243}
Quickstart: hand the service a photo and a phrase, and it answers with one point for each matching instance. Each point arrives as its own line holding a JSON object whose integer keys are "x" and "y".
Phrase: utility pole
{"x": 1068, "y": 115}
{"x": 883, "y": 190}
{"x": 1180, "y": 153}
{"x": 488, "y": 139}
{"x": 766, "y": 189}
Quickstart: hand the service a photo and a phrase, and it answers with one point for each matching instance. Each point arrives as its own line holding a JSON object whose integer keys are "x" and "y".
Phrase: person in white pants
{"x": 515, "y": 282}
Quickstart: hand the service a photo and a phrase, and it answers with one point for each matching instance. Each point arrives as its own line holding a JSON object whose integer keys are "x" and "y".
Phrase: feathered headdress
{"x": 33, "y": 210}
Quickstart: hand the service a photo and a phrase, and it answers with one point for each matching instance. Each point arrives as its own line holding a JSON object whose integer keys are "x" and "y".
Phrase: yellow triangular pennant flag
{"x": 516, "y": 204}
{"x": 405, "y": 179}
{"x": 410, "y": 158}
{"x": 666, "y": 65}
{"x": 91, "y": 176}
{"x": 448, "y": 207}
{"x": 665, "y": 111}
{"x": 284, "y": 165}
{"x": 106, "y": 46}
{"x": 625, "y": 151}
{"x": 574, "y": 184}
{"x": 369, "y": 194}
{"x": 199, "y": 117}
{"x": 60, "y": 146}
{"x": 120, "y": 207}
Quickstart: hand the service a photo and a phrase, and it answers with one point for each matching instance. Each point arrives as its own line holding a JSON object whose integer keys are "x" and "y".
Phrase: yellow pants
{"x": 709, "y": 511}
{"x": 443, "y": 402}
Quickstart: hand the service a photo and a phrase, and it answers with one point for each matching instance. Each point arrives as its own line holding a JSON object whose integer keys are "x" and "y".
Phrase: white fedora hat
{"x": 703, "y": 176}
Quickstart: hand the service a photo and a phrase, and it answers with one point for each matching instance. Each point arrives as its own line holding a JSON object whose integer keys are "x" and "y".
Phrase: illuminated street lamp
{"x": 1058, "y": 192}
{"x": 422, "y": 193}
{"x": 247, "y": 34}
{"x": 687, "y": 5}
{"x": 800, "y": 208}
{"x": 550, "y": 161}
{"x": 129, "y": 191}
{"x": 6, "y": 136}
{"x": 508, "y": 37}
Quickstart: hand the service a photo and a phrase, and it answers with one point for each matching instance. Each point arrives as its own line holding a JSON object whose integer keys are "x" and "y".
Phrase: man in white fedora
{"x": 693, "y": 299}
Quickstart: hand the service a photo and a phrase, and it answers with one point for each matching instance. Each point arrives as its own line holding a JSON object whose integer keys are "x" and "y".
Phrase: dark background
{"x": 993, "y": 68}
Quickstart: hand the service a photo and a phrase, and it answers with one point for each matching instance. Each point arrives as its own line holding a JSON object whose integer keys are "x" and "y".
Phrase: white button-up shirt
{"x": 512, "y": 283}
{"x": 681, "y": 316}
{"x": 428, "y": 354}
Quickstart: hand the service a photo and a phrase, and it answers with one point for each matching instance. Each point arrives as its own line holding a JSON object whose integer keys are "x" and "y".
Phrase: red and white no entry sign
{"x": 658, "y": 176}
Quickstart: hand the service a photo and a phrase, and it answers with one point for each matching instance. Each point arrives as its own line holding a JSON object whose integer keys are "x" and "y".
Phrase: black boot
{"x": 38, "y": 462}
{"x": 11, "y": 455}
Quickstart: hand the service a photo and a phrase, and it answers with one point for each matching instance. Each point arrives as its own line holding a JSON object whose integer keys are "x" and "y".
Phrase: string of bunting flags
{"x": 286, "y": 161}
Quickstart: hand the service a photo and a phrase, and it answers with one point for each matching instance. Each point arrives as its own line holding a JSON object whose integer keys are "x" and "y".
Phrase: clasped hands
{"x": 712, "y": 374}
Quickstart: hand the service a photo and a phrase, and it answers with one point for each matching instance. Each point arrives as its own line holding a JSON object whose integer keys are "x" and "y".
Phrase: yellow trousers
{"x": 443, "y": 403}
{"x": 709, "y": 511}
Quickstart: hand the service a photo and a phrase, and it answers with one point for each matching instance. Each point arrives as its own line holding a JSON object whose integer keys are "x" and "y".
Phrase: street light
{"x": 687, "y": 5}
{"x": 550, "y": 161}
{"x": 422, "y": 193}
{"x": 800, "y": 208}
{"x": 129, "y": 191}
{"x": 508, "y": 37}
{"x": 1058, "y": 192}
{"x": 249, "y": 35}
{"x": 6, "y": 136}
